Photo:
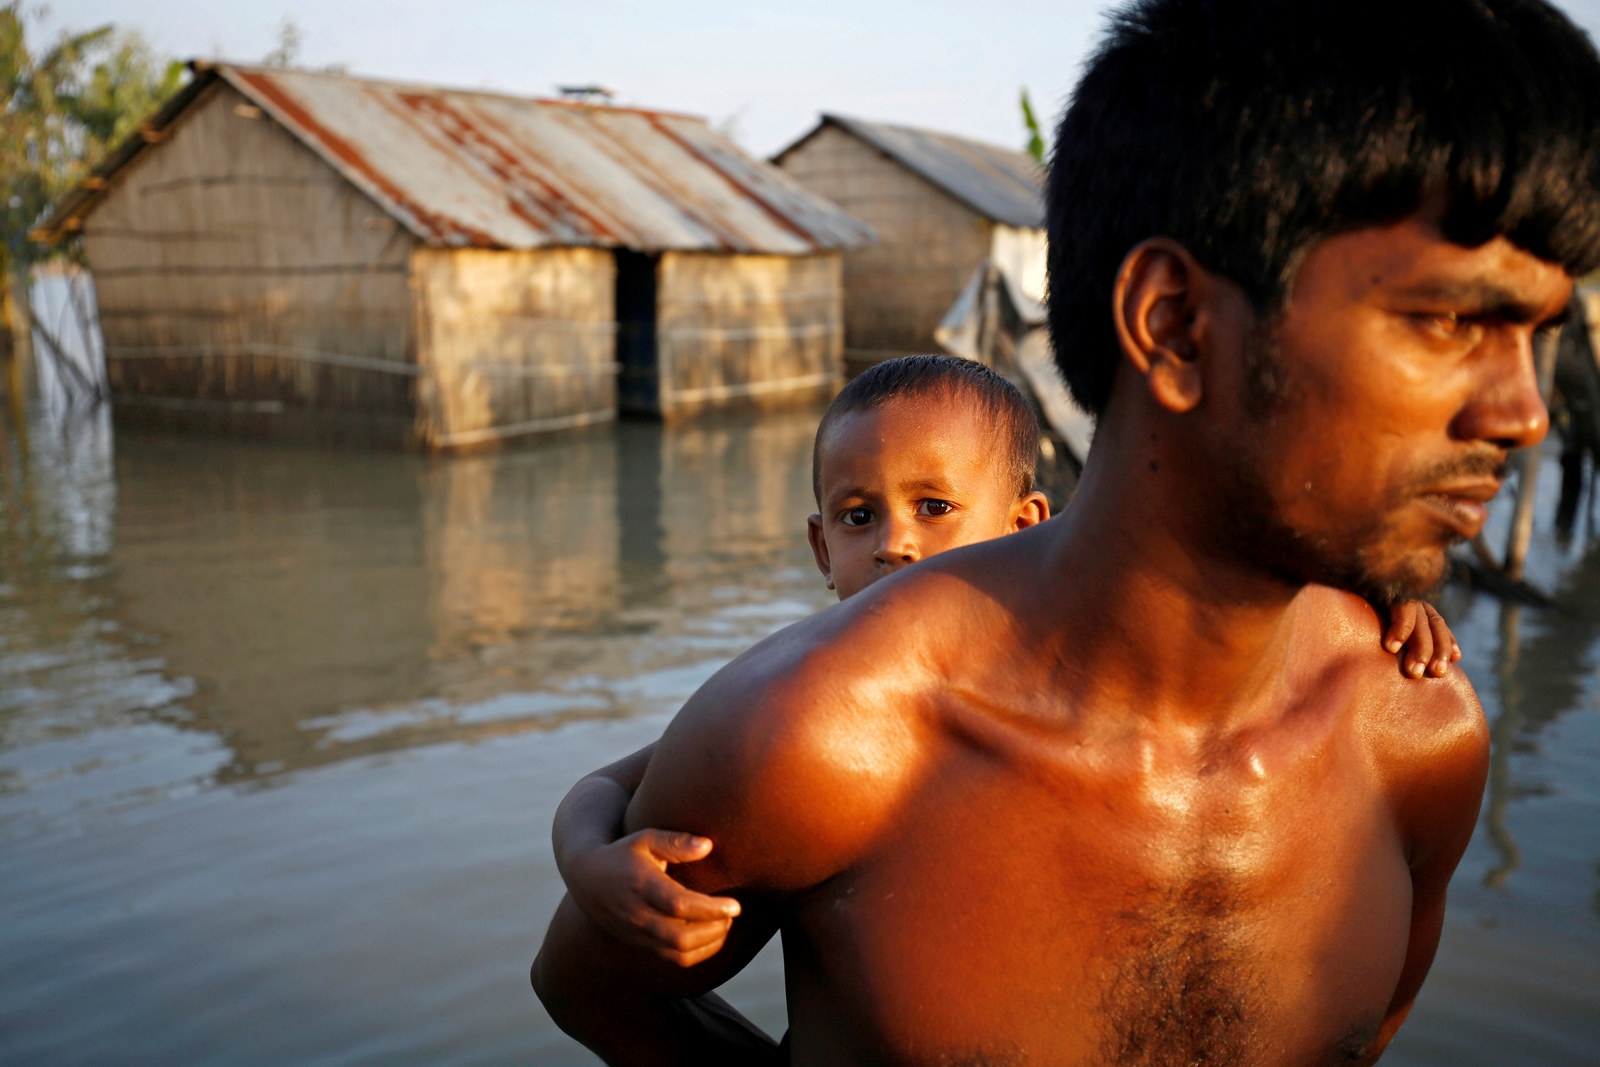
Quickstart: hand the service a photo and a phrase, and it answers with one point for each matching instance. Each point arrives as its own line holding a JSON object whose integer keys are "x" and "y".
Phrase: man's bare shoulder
{"x": 794, "y": 756}
{"x": 1426, "y": 738}
{"x": 1353, "y": 630}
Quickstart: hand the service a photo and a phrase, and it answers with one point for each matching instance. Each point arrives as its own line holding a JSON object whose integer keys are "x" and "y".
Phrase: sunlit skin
{"x": 997, "y": 828}
{"x": 900, "y": 482}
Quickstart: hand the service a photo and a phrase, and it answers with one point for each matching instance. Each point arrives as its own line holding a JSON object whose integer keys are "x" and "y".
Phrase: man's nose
{"x": 1508, "y": 409}
{"x": 897, "y": 543}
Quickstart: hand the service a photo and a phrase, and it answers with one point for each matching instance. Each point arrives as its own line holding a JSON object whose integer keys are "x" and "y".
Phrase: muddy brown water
{"x": 281, "y": 732}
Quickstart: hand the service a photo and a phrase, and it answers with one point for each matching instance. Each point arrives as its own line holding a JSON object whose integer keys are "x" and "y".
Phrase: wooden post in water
{"x": 1544, "y": 360}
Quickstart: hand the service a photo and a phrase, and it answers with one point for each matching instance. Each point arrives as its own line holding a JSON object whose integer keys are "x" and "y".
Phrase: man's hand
{"x": 624, "y": 888}
{"x": 1421, "y": 637}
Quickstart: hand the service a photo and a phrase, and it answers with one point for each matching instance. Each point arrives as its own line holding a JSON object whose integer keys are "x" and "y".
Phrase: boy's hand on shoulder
{"x": 1419, "y": 635}
{"x": 625, "y": 889}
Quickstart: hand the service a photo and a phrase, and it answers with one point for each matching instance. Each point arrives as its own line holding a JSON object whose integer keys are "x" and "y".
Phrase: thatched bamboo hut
{"x": 940, "y": 205}
{"x": 279, "y": 250}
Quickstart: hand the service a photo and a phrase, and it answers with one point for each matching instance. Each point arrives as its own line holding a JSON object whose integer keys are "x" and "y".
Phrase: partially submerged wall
{"x": 241, "y": 279}
{"x": 513, "y": 342}
{"x": 743, "y": 329}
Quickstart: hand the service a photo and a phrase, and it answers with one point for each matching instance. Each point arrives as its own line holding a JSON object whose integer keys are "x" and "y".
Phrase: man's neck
{"x": 1157, "y": 624}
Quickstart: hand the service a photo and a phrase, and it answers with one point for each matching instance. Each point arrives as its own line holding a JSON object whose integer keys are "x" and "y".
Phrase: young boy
{"x": 916, "y": 456}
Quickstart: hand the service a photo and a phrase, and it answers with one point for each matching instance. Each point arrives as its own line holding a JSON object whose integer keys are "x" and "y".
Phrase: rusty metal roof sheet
{"x": 998, "y": 183}
{"x": 477, "y": 169}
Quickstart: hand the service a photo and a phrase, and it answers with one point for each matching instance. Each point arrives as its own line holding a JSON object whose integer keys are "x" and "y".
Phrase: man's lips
{"x": 1463, "y": 505}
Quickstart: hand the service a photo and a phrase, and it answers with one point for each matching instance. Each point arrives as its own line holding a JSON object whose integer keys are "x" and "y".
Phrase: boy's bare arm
{"x": 623, "y": 1001}
{"x": 619, "y": 880}
{"x": 590, "y": 815}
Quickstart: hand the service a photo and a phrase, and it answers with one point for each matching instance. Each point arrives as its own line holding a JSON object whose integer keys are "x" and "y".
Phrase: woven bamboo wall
{"x": 240, "y": 276}
{"x": 513, "y": 343}
{"x": 737, "y": 329}
{"x": 897, "y": 289}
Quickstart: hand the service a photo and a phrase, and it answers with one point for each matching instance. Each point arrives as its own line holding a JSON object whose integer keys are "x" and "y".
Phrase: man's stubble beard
{"x": 1350, "y": 558}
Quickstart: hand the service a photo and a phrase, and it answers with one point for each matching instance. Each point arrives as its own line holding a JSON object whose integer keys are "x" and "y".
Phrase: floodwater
{"x": 281, "y": 733}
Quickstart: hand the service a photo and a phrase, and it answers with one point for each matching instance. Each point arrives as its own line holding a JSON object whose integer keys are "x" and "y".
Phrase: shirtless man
{"x": 1299, "y": 258}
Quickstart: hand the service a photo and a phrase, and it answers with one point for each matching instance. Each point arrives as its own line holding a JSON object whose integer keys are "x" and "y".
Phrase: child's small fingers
{"x": 1402, "y": 621}
{"x": 689, "y": 959}
{"x": 1419, "y": 650}
{"x": 676, "y": 936}
{"x": 671, "y": 847}
{"x": 1443, "y": 644}
{"x": 671, "y": 899}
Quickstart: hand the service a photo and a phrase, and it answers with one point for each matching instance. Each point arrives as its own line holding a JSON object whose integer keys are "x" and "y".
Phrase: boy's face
{"x": 909, "y": 479}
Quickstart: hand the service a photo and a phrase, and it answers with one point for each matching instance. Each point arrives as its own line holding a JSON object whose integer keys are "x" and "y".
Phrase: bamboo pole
{"x": 1544, "y": 360}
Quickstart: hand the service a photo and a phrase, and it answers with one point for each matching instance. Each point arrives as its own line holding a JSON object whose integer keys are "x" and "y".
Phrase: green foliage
{"x": 61, "y": 109}
{"x": 1035, "y": 137}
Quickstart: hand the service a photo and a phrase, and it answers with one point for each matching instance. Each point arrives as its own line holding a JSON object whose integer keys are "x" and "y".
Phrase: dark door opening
{"x": 638, "y": 376}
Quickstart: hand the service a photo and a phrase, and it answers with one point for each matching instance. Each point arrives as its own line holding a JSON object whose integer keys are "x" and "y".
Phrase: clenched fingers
{"x": 686, "y": 943}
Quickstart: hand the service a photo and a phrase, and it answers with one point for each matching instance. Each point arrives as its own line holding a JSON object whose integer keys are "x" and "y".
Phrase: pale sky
{"x": 769, "y": 68}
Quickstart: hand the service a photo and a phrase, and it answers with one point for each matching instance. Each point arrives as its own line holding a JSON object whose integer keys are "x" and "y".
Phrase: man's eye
{"x": 857, "y": 516}
{"x": 935, "y": 507}
{"x": 1452, "y": 326}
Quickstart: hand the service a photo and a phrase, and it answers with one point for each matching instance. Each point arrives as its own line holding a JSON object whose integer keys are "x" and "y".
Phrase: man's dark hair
{"x": 1247, "y": 130}
{"x": 1015, "y": 424}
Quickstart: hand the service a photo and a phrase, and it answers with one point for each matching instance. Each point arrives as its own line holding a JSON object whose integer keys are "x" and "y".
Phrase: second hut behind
{"x": 940, "y": 204}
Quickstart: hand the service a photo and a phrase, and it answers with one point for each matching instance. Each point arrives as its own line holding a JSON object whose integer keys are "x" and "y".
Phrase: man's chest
{"x": 1030, "y": 917}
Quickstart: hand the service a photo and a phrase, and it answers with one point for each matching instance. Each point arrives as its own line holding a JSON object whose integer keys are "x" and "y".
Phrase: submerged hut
{"x": 279, "y": 250}
{"x": 940, "y": 205}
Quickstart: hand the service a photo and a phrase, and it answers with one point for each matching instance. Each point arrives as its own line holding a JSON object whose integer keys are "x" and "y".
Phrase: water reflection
{"x": 1502, "y": 736}
{"x": 301, "y": 607}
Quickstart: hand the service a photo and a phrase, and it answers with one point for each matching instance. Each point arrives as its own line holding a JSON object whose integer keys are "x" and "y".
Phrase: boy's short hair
{"x": 925, "y": 376}
{"x": 1248, "y": 131}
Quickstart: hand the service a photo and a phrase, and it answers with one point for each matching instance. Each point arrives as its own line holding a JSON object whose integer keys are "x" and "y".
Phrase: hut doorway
{"x": 638, "y": 375}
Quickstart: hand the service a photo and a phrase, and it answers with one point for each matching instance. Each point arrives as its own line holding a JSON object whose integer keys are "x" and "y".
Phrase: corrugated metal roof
{"x": 474, "y": 169}
{"x": 998, "y": 183}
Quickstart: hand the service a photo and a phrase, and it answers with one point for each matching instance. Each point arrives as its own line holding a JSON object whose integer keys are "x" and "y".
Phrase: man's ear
{"x": 819, "y": 547}
{"x": 1156, "y": 304}
{"x": 1029, "y": 511}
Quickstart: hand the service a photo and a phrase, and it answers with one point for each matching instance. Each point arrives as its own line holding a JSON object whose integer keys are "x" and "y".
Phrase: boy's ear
{"x": 819, "y": 547}
{"x": 1029, "y": 511}
{"x": 1157, "y": 304}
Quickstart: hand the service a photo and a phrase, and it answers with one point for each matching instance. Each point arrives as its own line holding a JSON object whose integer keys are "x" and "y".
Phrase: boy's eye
{"x": 857, "y": 516}
{"x": 935, "y": 507}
